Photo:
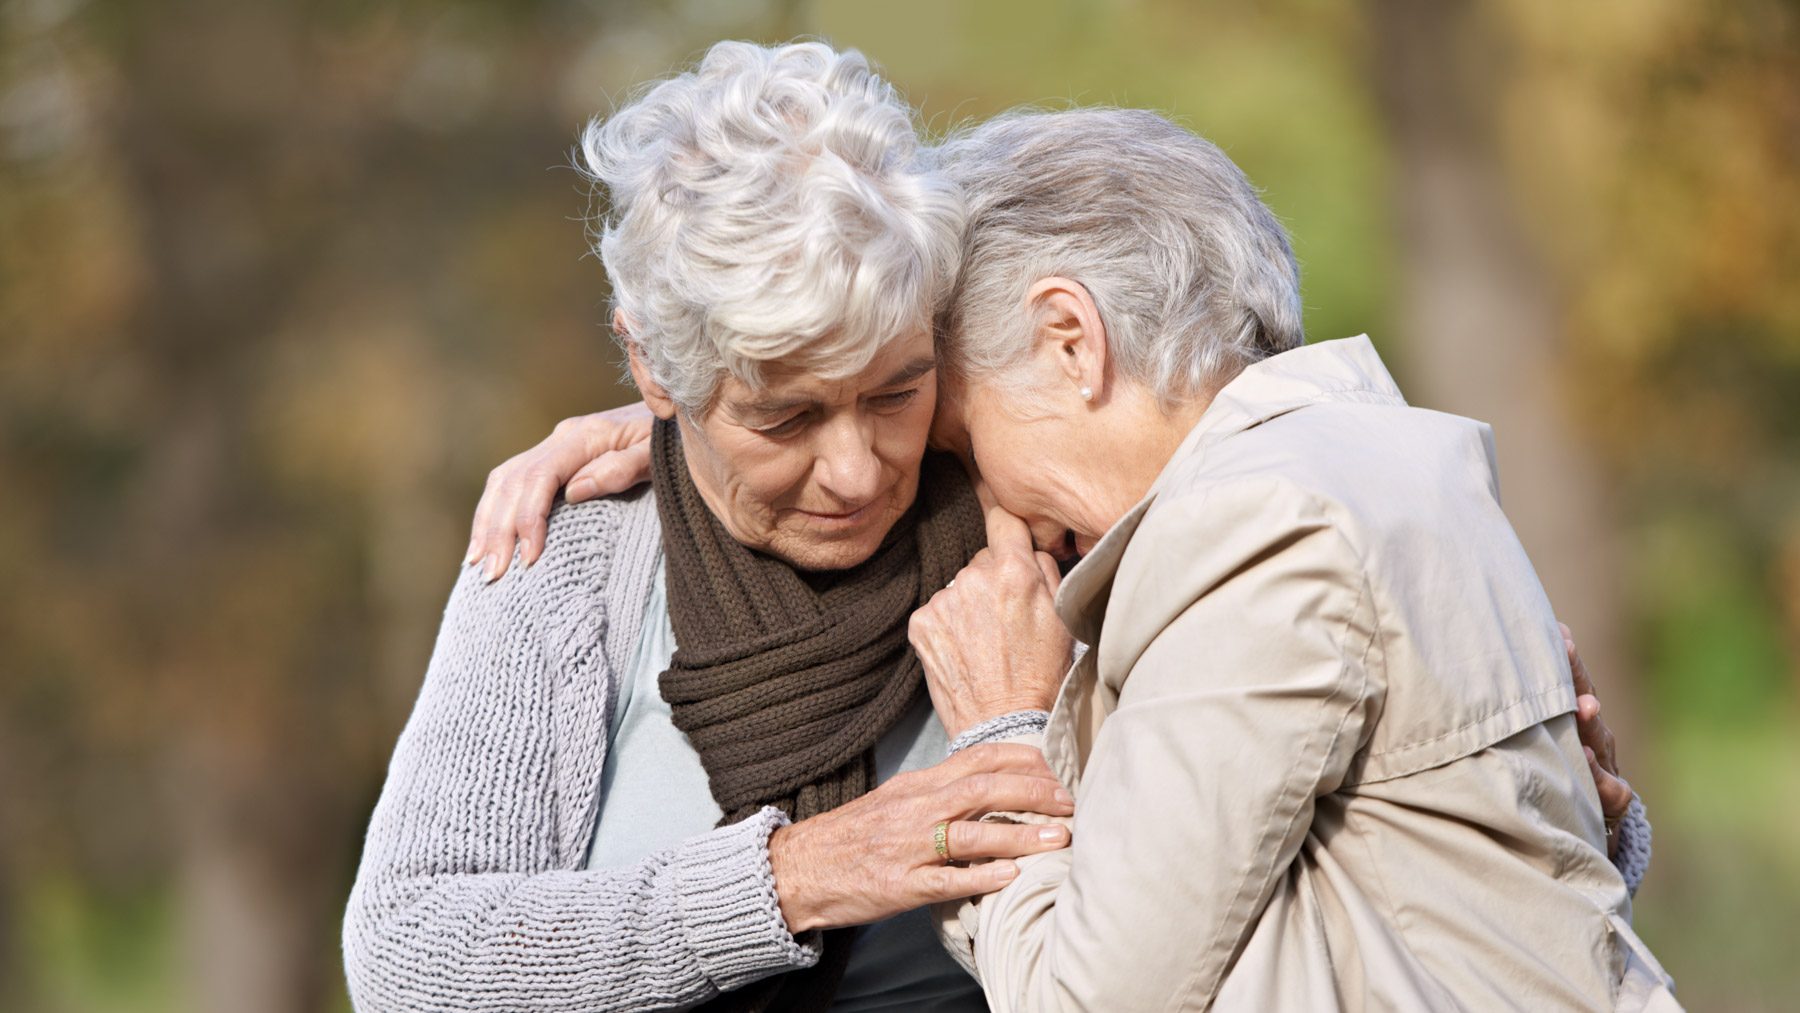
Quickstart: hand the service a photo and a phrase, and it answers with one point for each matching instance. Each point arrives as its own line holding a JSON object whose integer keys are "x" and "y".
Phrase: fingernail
{"x": 1050, "y": 835}
{"x": 1005, "y": 870}
{"x": 469, "y": 556}
{"x": 1063, "y": 796}
{"x": 580, "y": 489}
{"x": 490, "y": 567}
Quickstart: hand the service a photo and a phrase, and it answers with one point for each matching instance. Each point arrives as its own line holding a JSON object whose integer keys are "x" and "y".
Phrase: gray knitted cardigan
{"x": 472, "y": 893}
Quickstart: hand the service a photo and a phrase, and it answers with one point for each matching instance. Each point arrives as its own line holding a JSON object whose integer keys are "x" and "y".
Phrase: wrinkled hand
{"x": 875, "y": 856}
{"x": 1597, "y": 742}
{"x": 991, "y": 642}
{"x": 594, "y": 455}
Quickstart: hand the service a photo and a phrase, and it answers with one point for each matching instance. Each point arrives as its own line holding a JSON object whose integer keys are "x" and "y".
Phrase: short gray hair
{"x": 1192, "y": 273}
{"x": 769, "y": 204}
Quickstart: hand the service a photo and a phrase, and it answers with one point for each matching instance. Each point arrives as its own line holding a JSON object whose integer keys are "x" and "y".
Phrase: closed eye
{"x": 786, "y": 427}
{"x": 895, "y": 400}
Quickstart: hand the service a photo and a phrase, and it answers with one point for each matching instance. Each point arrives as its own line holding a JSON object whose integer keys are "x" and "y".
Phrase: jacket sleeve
{"x": 1248, "y": 628}
{"x": 469, "y": 895}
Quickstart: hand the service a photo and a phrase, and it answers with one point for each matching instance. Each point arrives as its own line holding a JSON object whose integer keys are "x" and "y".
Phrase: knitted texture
{"x": 784, "y": 680}
{"x": 472, "y": 894}
{"x": 1006, "y": 726}
{"x": 1633, "y": 859}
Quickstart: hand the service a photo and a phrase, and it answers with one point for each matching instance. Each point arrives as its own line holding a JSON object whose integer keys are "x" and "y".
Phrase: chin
{"x": 809, "y": 550}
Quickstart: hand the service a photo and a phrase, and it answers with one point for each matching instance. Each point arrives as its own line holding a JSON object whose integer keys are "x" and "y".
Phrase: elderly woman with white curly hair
{"x": 1328, "y": 746}
{"x": 680, "y": 757}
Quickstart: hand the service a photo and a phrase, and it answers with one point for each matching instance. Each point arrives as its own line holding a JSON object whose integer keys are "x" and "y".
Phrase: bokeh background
{"x": 279, "y": 282}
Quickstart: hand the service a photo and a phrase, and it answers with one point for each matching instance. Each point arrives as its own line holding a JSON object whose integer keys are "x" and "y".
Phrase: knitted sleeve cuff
{"x": 1633, "y": 859}
{"x": 1006, "y": 726}
{"x": 726, "y": 892}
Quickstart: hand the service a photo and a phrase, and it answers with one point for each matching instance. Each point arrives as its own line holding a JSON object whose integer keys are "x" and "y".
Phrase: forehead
{"x": 902, "y": 359}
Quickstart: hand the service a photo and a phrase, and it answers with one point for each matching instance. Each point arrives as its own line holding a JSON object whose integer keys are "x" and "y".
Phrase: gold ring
{"x": 940, "y": 839}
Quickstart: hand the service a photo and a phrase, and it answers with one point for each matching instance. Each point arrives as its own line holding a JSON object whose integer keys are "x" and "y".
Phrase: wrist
{"x": 791, "y": 892}
{"x": 996, "y": 710}
{"x": 1026, "y": 721}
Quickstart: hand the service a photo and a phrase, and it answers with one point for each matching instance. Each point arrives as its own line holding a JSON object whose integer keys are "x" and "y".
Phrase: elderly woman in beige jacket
{"x": 1324, "y": 744}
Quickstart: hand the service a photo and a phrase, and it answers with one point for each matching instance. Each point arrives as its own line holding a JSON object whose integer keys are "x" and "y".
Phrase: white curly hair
{"x": 769, "y": 204}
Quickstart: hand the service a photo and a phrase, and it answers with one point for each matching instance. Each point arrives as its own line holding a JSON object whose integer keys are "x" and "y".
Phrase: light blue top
{"x": 654, "y": 795}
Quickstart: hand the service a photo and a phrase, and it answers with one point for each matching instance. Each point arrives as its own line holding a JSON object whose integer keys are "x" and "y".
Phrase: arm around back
{"x": 472, "y": 892}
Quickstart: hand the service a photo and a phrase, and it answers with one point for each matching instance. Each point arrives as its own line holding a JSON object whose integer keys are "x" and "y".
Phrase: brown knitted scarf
{"x": 784, "y": 680}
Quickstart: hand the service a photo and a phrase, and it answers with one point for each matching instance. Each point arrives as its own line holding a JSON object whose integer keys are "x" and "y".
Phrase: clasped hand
{"x": 875, "y": 856}
{"x": 991, "y": 642}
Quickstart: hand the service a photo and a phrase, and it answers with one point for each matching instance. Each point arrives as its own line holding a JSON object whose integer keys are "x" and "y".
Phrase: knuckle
{"x": 990, "y": 755}
{"x": 977, "y": 788}
{"x": 965, "y": 838}
{"x": 609, "y": 466}
{"x": 937, "y": 880}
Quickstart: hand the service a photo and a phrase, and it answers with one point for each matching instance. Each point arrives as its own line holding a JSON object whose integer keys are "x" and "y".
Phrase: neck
{"x": 1153, "y": 432}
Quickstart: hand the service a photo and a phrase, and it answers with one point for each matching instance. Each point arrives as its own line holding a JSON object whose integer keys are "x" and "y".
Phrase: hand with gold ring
{"x": 901, "y": 846}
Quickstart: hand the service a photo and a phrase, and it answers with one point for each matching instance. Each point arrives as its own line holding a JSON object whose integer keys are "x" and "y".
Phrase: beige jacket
{"x": 1323, "y": 746}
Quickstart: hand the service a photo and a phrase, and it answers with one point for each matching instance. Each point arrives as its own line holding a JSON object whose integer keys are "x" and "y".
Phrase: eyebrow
{"x": 775, "y": 405}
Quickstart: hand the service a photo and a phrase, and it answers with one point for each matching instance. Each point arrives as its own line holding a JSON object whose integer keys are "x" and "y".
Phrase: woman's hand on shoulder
{"x": 991, "y": 642}
{"x": 591, "y": 455}
{"x": 876, "y": 856}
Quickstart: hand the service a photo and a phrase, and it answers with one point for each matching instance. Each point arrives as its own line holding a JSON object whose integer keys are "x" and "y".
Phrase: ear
{"x": 655, "y": 397}
{"x": 1066, "y": 323}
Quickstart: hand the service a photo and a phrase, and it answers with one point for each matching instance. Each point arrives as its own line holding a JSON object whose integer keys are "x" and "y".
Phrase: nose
{"x": 847, "y": 466}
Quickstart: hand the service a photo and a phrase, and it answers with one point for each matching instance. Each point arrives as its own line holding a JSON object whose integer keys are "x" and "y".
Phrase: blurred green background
{"x": 279, "y": 282}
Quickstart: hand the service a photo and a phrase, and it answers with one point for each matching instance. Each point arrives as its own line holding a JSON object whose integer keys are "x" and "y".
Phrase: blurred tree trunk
{"x": 248, "y": 762}
{"x": 1482, "y": 324}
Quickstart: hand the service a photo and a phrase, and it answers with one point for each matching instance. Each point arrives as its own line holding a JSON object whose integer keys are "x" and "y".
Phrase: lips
{"x": 839, "y": 517}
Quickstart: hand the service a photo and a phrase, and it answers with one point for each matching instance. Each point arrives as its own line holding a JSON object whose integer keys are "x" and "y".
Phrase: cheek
{"x": 1007, "y": 469}
{"x": 759, "y": 477}
{"x": 903, "y": 435}
{"x": 776, "y": 480}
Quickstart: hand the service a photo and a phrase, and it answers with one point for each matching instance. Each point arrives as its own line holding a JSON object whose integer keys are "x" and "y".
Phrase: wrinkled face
{"x": 811, "y": 471}
{"x": 1046, "y": 459}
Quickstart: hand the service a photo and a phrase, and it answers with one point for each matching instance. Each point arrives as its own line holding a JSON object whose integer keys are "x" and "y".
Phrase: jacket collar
{"x": 1344, "y": 370}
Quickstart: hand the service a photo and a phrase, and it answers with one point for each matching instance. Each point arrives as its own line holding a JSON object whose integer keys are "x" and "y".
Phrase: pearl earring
{"x": 1087, "y": 393}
